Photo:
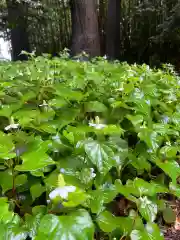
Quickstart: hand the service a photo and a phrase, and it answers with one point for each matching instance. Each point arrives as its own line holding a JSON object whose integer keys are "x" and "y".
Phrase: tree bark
{"x": 113, "y": 29}
{"x": 18, "y": 28}
{"x": 102, "y": 20}
{"x": 85, "y": 32}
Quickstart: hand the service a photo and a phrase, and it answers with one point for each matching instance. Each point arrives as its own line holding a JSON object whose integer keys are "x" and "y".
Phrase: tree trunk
{"x": 113, "y": 29}
{"x": 85, "y": 32}
{"x": 102, "y": 20}
{"x": 18, "y": 28}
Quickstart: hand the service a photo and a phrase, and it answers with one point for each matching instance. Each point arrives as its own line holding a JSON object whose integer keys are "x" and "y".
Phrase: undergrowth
{"x": 88, "y": 150}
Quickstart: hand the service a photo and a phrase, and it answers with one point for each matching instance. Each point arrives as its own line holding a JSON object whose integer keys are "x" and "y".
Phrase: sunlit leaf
{"x": 151, "y": 232}
{"x": 34, "y": 160}
{"x": 100, "y": 154}
{"x": 147, "y": 208}
{"x": 5, "y": 215}
{"x": 77, "y": 225}
{"x": 170, "y": 167}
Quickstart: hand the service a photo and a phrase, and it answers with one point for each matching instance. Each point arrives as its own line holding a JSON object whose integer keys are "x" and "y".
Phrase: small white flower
{"x": 165, "y": 119}
{"x": 43, "y": 104}
{"x": 62, "y": 170}
{"x": 148, "y": 102}
{"x": 93, "y": 175}
{"x": 11, "y": 126}
{"x": 20, "y": 73}
{"x": 149, "y": 150}
{"x": 62, "y": 192}
{"x": 121, "y": 89}
{"x": 97, "y": 126}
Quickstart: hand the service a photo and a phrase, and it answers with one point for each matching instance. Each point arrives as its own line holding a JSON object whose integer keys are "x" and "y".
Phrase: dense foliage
{"x": 88, "y": 150}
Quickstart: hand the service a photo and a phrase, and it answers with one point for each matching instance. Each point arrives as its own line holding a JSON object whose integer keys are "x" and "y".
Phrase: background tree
{"x": 113, "y": 29}
{"x": 85, "y": 32}
{"x": 17, "y": 23}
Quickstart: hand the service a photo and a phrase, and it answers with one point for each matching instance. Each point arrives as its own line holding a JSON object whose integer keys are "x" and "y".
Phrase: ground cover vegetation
{"x": 88, "y": 150}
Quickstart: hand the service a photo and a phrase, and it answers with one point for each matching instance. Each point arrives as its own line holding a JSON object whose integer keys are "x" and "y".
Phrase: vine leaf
{"x": 100, "y": 155}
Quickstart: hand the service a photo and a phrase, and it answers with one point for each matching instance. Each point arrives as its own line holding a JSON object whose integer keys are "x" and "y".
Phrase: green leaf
{"x": 86, "y": 175}
{"x": 5, "y": 215}
{"x": 110, "y": 130}
{"x": 58, "y": 102}
{"x": 169, "y": 151}
{"x": 37, "y": 190}
{"x": 149, "y": 137}
{"x": 95, "y": 106}
{"x": 34, "y": 160}
{"x": 175, "y": 189}
{"x": 147, "y": 208}
{"x": 108, "y": 223}
{"x": 49, "y": 127}
{"x": 171, "y": 168}
{"x": 100, "y": 197}
{"x": 12, "y": 231}
{"x": 169, "y": 215}
{"x": 28, "y": 96}
{"x": 140, "y": 163}
{"x": 128, "y": 87}
{"x": 32, "y": 223}
{"x": 76, "y": 198}
{"x": 52, "y": 179}
{"x": 100, "y": 154}
{"x": 67, "y": 93}
{"x": 151, "y": 232}
{"x": 6, "y": 111}
{"x": 149, "y": 189}
{"x": 75, "y": 226}
{"x": 136, "y": 120}
{"x": 126, "y": 190}
{"x": 154, "y": 232}
{"x": 39, "y": 209}
{"x": 6, "y": 146}
{"x": 20, "y": 179}
{"x": 6, "y": 180}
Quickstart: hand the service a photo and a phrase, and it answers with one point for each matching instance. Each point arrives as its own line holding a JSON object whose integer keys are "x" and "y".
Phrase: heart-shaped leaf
{"x": 100, "y": 154}
{"x": 34, "y": 160}
{"x": 75, "y": 226}
{"x": 108, "y": 223}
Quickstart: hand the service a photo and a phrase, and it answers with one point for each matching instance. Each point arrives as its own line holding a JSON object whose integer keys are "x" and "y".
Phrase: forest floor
{"x": 173, "y": 232}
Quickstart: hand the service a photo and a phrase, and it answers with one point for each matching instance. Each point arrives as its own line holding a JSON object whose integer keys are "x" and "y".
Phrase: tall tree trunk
{"x": 102, "y": 17}
{"x": 113, "y": 29}
{"x": 85, "y": 32}
{"x": 18, "y": 28}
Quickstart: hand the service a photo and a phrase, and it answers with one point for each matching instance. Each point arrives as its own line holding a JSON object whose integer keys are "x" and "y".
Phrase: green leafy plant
{"x": 88, "y": 150}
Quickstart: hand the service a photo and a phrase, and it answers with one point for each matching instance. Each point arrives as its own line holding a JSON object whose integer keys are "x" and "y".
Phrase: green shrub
{"x": 79, "y": 138}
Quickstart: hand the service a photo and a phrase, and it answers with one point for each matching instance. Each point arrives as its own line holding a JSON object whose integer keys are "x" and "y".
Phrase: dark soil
{"x": 173, "y": 233}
